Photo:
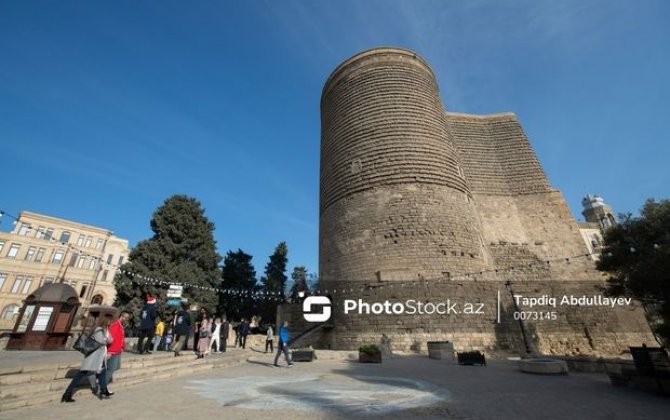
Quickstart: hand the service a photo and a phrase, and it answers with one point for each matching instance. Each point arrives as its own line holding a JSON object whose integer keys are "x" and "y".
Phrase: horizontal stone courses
{"x": 381, "y": 58}
{"x": 510, "y": 157}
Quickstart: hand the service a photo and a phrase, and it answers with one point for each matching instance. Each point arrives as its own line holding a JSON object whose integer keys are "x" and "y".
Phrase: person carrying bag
{"x": 95, "y": 362}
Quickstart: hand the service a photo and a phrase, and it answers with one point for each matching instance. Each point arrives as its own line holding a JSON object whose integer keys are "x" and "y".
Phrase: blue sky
{"x": 108, "y": 108}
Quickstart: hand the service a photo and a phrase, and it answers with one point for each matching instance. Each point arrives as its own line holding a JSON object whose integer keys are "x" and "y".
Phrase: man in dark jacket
{"x": 244, "y": 332}
{"x": 181, "y": 328}
{"x": 147, "y": 324}
{"x": 196, "y": 331}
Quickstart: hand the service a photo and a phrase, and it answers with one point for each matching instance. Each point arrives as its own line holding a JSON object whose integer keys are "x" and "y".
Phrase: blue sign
{"x": 174, "y": 302}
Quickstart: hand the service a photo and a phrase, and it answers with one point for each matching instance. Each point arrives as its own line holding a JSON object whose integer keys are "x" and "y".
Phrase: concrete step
{"x": 47, "y": 372}
{"x": 58, "y": 378}
{"x": 48, "y": 383}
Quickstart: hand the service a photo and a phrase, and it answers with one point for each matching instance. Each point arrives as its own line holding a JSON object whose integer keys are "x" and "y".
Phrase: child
{"x": 168, "y": 339}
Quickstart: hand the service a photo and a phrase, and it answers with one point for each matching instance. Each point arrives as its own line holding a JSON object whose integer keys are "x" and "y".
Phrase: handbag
{"x": 86, "y": 344}
{"x": 204, "y": 334}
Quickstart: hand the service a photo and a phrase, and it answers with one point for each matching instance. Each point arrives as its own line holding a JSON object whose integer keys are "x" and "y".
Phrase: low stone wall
{"x": 597, "y": 364}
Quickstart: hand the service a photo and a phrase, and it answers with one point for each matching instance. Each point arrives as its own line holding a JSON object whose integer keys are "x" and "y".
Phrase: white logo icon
{"x": 322, "y": 301}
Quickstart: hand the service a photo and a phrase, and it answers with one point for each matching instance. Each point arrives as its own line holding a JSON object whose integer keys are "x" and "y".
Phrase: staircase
{"x": 44, "y": 383}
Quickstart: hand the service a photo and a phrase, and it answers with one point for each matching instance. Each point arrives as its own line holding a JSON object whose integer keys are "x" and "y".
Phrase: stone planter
{"x": 369, "y": 357}
{"x": 441, "y": 350}
{"x": 544, "y": 366}
{"x": 303, "y": 355}
{"x": 470, "y": 358}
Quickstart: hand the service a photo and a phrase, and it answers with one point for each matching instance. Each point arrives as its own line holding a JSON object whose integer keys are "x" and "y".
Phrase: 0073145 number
{"x": 535, "y": 316}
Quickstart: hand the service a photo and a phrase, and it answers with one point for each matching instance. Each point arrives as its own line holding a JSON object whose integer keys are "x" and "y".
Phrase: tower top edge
{"x": 372, "y": 52}
{"x": 496, "y": 116}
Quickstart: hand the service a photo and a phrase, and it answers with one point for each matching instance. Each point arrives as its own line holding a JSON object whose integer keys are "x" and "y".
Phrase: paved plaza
{"x": 402, "y": 387}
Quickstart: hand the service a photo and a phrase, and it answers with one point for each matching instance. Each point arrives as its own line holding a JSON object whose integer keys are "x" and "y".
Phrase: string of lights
{"x": 466, "y": 276}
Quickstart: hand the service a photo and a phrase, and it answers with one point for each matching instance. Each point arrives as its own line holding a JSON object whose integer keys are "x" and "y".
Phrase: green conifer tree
{"x": 182, "y": 250}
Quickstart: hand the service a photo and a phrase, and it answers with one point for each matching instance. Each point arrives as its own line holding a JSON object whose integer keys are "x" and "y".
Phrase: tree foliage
{"x": 238, "y": 274}
{"x": 274, "y": 281}
{"x": 275, "y": 278}
{"x": 182, "y": 249}
{"x": 299, "y": 277}
{"x": 636, "y": 255}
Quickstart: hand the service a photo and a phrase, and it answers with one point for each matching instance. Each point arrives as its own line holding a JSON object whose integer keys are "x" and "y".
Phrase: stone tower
{"x": 420, "y": 204}
{"x": 395, "y": 203}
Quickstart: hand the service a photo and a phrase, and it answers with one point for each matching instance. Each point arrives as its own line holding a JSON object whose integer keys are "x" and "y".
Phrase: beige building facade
{"x": 42, "y": 249}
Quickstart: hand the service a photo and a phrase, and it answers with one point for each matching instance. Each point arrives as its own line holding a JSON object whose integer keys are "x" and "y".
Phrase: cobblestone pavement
{"x": 402, "y": 387}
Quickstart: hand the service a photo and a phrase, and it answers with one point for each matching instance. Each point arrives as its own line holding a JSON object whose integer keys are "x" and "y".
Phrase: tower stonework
{"x": 394, "y": 201}
{"x": 419, "y": 203}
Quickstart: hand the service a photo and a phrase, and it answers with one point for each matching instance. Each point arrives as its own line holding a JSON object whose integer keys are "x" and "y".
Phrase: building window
{"x": 58, "y": 257}
{"x": 100, "y": 243}
{"x": 2, "y": 245}
{"x": 26, "y": 285}
{"x": 3, "y": 277}
{"x": 24, "y": 229}
{"x": 97, "y": 300}
{"x": 80, "y": 240}
{"x": 120, "y": 259}
{"x": 73, "y": 260}
{"x": 82, "y": 262}
{"x": 83, "y": 291}
{"x": 17, "y": 284}
{"x": 49, "y": 234}
{"x": 109, "y": 258}
{"x": 595, "y": 241}
{"x": 47, "y": 280}
{"x": 87, "y": 244}
{"x": 104, "y": 275}
{"x": 40, "y": 232}
{"x": 13, "y": 250}
{"x": 94, "y": 262}
{"x": 40, "y": 255}
{"x": 10, "y": 311}
{"x": 30, "y": 254}
{"x": 65, "y": 237}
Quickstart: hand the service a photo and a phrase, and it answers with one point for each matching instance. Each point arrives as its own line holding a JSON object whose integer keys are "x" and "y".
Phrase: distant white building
{"x": 599, "y": 217}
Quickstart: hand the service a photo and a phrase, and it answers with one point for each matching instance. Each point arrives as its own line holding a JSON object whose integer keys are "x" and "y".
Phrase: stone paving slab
{"x": 399, "y": 388}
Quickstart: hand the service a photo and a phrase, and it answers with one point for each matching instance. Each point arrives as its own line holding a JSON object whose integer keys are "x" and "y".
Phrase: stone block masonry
{"x": 411, "y": 193}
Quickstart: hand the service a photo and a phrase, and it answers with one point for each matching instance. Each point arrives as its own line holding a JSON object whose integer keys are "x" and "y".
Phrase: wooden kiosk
{"x": 45, "y": 320}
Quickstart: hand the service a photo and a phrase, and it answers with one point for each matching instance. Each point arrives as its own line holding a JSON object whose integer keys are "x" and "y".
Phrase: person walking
{"x": 216, "y": 335}
{"x": 244, "y": 332}
{"x": 196, "y": 331}
{"x": 147, "y": 325}
{"x": 205, "y": 333}
{"x": 94, "y": 364}
{"x": 237, "y": 330}
{"x": 118, "y": 333}
{"x": 225, "y": 331}
{"x": 158, "y": 334}
{"x": 282, "y": 347}
{"x": 169, "y": 336}
{"x": 269, "y": 339}
{"x": 181, "y": 328}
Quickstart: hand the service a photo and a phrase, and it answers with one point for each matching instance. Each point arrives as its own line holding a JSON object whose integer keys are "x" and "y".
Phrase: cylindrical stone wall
{"x": 394, "y": 203}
